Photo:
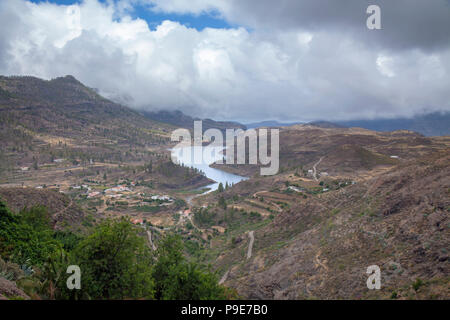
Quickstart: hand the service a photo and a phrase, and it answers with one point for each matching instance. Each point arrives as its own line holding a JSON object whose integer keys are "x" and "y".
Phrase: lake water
{"x": 185, "y": 156}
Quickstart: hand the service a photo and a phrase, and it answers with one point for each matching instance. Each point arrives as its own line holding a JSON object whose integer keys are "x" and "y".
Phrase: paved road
{"x": 224, "y": 277}
{"x": 314, "y": 168}
{"x": 152, "y": 245}
{"x": 251, "y": 235}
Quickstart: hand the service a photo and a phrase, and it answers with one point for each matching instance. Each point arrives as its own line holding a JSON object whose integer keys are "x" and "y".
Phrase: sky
{"x": 245, "y": 60}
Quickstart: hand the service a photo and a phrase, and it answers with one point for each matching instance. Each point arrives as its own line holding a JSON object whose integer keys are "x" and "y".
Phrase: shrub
{"x": 115, "y": 262}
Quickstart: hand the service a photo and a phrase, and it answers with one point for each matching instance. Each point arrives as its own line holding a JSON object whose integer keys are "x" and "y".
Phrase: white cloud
{"x": 384, "y": 65}
{"x": 292, "y": 74}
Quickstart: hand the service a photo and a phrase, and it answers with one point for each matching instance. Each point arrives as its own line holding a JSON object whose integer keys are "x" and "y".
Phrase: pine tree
{"x": 222, "y": 202}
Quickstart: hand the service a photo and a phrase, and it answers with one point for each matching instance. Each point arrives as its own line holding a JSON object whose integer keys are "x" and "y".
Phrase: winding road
{"x": 251, "y": 236}
{"x": 193, "y": 224}
{"x": 314, "y": 168}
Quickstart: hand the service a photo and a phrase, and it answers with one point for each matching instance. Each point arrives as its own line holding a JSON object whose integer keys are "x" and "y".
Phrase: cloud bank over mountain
{"x": 285, "y": 60}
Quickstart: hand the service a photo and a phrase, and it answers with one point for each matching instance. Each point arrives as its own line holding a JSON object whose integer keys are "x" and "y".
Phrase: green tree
{"x": 53, "y": 277}
{"x": 115, "y": 262}
{"x": 26, "y": 237}
{"x": 177, "y": 279}
{"x": 37, "y": 217}
{"x": 222, "y": 202}
{"x": 220, "y": 187}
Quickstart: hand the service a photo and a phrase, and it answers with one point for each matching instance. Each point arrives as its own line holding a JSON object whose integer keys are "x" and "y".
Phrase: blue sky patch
{"x": 199, "y": 22}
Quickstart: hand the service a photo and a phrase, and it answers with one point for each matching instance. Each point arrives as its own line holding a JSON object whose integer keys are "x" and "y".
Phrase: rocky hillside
{"x": 41, "y": 121}
{"x": 64, "y": 211}
{"x": 320, "y": 248}
{"x": 64, "y": 107}
{"x": 374, "y": 199}
{"x": 345, "y": 151}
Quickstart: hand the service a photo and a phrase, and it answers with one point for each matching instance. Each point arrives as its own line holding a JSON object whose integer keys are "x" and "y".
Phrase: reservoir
{"x": 207, "y": 156}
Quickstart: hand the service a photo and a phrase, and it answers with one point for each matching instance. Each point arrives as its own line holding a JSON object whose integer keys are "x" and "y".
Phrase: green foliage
{"x": 254, "y": 214}
{"x": 417, "y": 284}
{"x": 28, "y": 237}
{"x": 147, "y": 208}
{"x": 68, "y": 239}
{"x": 204, "y": 218}
{"x": 177, "y": 279}
{"x": 53, "y": 277}
{"x": 169, "y": 169}
{"x": 222, "y": 203}
{"x": 37, "y": 217}
{"x": 114, "y": 259}
{"x": 180, "y": 203}
{"x": 115, "y": 262}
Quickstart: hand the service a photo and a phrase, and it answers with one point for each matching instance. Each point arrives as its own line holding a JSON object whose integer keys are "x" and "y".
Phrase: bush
{"x": 27, "y": 237}
{"x": 115, "y": 262}
{"x": 417, "y": 284}
{"x": 177, "y": 279}
{"x": 114, "y": 259}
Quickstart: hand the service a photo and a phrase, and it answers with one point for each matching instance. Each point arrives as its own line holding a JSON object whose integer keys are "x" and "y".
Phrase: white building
{"x": 93, "y": 194}
{"x": 117, "y": 189}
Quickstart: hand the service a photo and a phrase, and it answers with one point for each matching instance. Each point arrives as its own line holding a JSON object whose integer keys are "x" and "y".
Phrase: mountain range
{"x": 431, "y": 124}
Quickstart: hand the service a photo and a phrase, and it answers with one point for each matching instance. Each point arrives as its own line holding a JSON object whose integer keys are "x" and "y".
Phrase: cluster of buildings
{"x": 119, "y": 188}
{"x": 162, "y": 198}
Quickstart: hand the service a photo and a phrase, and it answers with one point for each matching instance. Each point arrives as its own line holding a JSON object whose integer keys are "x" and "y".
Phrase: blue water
{"x": 188, "y": 156}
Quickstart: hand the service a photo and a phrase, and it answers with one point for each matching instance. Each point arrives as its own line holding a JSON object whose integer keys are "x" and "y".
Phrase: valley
{"x": 343, "y": 199}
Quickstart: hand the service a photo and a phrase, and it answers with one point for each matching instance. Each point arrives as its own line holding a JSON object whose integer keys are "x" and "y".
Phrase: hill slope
{"x": 64, "y": 212}
{"x": 61, "y": 118}
{"x": 344, "y": 199}
{"x": 64, "y": 107}
{"x": 179, "y": 119}
{"x": 322, "y": 248}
